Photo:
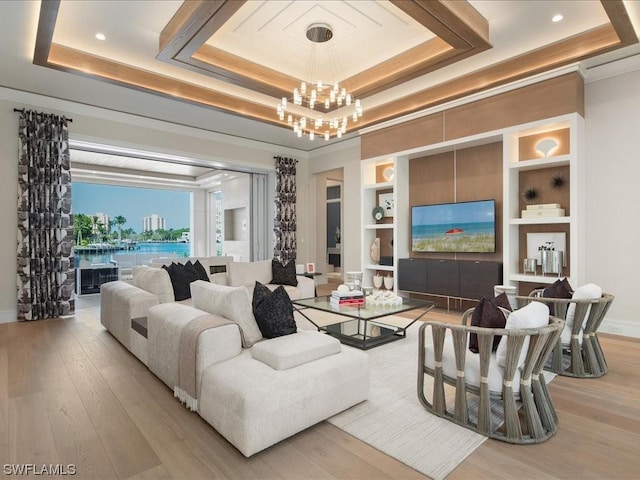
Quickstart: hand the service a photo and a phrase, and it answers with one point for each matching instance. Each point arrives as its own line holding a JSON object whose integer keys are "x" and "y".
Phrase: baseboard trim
{"x": 620, "y": 327}
{"x": 8, "y": 316}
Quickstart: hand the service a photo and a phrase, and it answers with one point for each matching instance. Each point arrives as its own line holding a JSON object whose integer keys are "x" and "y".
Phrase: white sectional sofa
{"x": 253, "y": 391}
{"x": 121, "y": 301}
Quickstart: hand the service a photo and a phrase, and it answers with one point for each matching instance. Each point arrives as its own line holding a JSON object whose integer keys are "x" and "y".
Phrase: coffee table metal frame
{"x": 362, "y": 327}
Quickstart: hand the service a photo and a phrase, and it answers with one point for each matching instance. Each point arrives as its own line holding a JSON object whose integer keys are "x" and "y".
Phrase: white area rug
{"x": 393, "y": 420}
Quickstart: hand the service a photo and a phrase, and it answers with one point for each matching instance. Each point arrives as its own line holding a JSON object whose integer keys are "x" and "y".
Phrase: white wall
{"x": 236, "y": 205}
{"x": 103, "y": 126}
{"x": 613, "y": 195}
{"x": 198, "y": 226}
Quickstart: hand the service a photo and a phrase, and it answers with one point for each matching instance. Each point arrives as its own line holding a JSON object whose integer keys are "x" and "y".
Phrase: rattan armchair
{"x": 577, "y": 352}
{"x": 482, "y": 387}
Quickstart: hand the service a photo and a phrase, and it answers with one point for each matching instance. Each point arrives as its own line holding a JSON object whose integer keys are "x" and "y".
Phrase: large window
{"x": 111, "y": 219}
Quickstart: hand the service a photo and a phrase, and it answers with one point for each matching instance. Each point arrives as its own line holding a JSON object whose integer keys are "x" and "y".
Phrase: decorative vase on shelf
{"x": 377, "y": 281}
{"x": 377, "y": 213}
{"x": 375, "y": 251}
{"x": 388, "y": 282}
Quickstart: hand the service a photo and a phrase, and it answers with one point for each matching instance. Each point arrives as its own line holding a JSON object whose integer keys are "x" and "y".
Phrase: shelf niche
{"x": 527, "y": 145}
{"x": 541, "y": 180}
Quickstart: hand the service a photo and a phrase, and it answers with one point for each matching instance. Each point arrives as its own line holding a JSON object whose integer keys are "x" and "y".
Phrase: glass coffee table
{"x": 364, "y": 326}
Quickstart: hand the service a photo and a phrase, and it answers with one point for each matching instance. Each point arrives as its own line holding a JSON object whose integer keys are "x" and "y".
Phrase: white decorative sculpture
{"x": 375, "y": 251}
{"x": 377, "y": 281}
{"x": 388, "y": 282}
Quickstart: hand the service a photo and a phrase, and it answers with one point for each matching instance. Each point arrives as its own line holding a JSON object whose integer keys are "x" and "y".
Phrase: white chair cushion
{"x": 247, "y": 273}
{"x": 471, "y": 366}
{"x": 534, "y": 315}
{"x": 565, "y": 336}
{"x": 229, "y": 302}
{"x": 292, "y": 350}
{"x": 585, "y": 292}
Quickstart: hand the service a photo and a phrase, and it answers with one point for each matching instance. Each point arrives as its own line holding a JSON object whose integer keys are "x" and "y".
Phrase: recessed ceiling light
{"x": 557, "y": 18}
{"x": 101, "y": 36}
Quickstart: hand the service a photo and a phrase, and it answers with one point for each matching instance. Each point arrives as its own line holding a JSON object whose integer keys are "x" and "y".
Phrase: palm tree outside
{"x": 119, "y": 221}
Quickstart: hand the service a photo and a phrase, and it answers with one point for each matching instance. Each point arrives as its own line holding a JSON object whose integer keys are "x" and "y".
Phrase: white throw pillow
{"x": 232, "y": 303}
{"x": 534, "y": 315}
{"x": 247, "y": 273}
{"x": 585, "y": 292}
{"x": 154, "y": 280}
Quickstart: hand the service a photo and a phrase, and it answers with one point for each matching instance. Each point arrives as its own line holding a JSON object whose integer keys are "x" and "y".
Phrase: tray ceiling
{"x": 398, "y": 56}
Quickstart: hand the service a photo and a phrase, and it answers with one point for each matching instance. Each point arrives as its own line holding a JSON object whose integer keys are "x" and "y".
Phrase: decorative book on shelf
{"x": 543, "y": 210}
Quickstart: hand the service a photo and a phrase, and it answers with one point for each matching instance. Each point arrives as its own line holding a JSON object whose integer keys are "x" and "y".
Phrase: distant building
{"x": 102, "y": 218}
{"x": 152, "y": 223}
{"x": 185, "y": 237}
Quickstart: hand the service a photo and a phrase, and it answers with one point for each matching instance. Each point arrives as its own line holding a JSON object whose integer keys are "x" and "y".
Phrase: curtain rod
{"x": 18, "y": 110}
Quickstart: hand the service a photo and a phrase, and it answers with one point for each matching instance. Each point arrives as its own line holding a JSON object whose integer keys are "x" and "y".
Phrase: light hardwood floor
{"x": 71, "y": 394}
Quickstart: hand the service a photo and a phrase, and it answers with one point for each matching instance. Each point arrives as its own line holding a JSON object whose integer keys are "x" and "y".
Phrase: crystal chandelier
{"x": 331, "y": 105}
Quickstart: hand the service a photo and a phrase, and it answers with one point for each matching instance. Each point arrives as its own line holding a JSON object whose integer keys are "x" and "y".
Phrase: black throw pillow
{"x": 487, "y": 314}
{"x": 197, "y": 270}
{"x": 558, "y": 289}
{"x": 273, "y": 311}
{"x": 283, "y": 274}
{"x": 180, "y": 281}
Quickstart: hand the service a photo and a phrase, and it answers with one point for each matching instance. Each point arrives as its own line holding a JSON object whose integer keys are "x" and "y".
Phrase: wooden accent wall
{"x": 422, "y": 131}
{"x": 549, "y": 98}
{"x": 463, "y": 175}
{"x": 431, "y": 179}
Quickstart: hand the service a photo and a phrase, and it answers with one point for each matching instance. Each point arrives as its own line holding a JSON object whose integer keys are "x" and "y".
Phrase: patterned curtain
{"x": 285, "y": 221}
{"x": 45, "y": 223}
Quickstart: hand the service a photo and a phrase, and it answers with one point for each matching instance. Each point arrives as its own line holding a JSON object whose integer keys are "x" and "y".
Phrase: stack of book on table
{"x": 352, "y": 298}
{"x": 543, "y": 210}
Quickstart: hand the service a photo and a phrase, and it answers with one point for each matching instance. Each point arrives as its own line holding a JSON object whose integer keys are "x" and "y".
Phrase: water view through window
{"x": 111, "y": 220}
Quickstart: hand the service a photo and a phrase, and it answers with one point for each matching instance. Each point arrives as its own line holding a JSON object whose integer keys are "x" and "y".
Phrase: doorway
{"x": 334, "y": 229}
{"x": 329, "y": 213}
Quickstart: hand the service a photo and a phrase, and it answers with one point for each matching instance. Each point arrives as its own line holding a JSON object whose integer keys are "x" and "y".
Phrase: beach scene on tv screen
{"x": 454, "y": 227}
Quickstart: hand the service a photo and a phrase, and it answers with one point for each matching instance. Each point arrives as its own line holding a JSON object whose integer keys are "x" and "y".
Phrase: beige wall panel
{"x": 431, "y": 179}
{"x": 556, "y": 96}
{"x": 421, "y": 131}
{"x": 553, "y": 97}
{"x": 479, "y": 177}
{"x": 469, "y": 174}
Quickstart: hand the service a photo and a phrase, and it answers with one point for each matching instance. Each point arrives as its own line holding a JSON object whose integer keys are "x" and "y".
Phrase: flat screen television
{"x": 454, "y": 227}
